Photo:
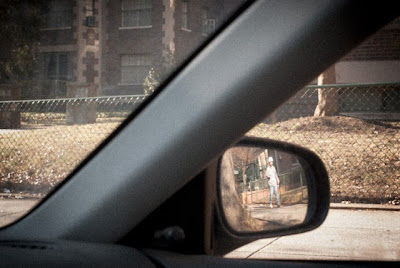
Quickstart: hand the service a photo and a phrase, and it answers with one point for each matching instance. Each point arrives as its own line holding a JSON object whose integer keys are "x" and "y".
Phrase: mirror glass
{"x": 262, "y": 189}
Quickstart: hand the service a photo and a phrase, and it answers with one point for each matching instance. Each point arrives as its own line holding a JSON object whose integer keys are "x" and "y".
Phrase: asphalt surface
{"x": 350, "y": 232}
{"x": 13, "y": 209}
{"x": 363, "y": 233}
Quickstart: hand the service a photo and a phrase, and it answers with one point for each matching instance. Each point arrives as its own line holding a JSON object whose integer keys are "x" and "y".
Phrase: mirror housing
{"x": 315, "y": 178}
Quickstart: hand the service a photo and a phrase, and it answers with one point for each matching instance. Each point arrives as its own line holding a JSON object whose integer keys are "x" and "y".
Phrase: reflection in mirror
{"x": 262, "y": 189}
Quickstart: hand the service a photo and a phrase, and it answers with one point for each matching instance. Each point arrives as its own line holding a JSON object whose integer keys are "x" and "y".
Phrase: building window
{"x": 57, "y": 72}
{"x": 207, "y": 23}
{"x": 60, "y": 14}
{"x": 57, "y": 66}
{"x": 185, "y": 14}
{"x": 134, "y": 68}
{"x": 295, "y": 161}
{"x": 136, "y": 13}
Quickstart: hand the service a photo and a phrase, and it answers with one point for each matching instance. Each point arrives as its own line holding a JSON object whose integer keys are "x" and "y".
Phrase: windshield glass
{"x": 349, "y": 116}
{"x": 71, "y": 71}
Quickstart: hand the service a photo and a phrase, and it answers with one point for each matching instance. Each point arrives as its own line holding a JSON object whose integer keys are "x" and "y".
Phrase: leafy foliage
{"x": 19, "y": 35}
{"x": 151, "y": 82}
{"x": 159, "y": 73}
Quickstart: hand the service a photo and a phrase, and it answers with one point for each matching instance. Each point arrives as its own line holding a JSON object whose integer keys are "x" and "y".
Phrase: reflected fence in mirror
{"x": 262, "y": 189}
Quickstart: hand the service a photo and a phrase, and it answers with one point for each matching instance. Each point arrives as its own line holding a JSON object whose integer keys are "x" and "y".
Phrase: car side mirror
{"x": 256, "y": 170}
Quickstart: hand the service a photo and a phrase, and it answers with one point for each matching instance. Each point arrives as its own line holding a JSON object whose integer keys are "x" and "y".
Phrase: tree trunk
{"x": 231, "y": 201}
{"x": 328, "y": 102}
{"x": 238, "y": 217}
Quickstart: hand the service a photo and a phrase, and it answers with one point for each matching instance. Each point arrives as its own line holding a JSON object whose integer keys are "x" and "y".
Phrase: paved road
{"x": 345, "y": 234}
{"x": 13, "y": 209}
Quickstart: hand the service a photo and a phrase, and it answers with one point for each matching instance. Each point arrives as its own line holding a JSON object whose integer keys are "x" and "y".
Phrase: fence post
{"x": 81, "y": 112}
{"x": 10, "y": 118}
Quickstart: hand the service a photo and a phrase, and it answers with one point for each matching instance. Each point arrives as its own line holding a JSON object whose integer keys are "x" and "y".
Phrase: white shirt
{"x": 273, "y": 176}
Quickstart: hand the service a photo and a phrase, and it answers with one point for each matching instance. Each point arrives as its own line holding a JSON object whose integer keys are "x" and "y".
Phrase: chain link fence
{"x": 359, "y": 143}
{"x": 42, "y": 141}
{"x": 288, "y": 181}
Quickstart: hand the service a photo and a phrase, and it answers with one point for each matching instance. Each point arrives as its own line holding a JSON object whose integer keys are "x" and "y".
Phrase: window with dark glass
{"x": 185, "y": 14}
{"x": 207, "y": 22}
{"x": 57, "y": 66}
{"x": 57, "y": 74}
{"x": 136, "y": 13}
{"x": 134, "y": 68}
{"x": 60, "y": 14}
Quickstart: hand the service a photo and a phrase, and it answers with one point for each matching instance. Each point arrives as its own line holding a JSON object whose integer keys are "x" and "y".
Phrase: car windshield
{"x": 72, "y": 71}
{"x": 350, "y": 117}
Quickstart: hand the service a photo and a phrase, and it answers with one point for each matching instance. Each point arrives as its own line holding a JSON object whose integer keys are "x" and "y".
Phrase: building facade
{"x": 114, "y": 44}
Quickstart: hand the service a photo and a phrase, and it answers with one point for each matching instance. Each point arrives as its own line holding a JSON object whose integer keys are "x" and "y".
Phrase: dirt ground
{"x": 362, "y": 157}
{"x": 35, "y": 160}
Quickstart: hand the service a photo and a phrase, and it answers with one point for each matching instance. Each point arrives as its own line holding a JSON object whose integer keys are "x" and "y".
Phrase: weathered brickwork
{"x": 384, "y": 45}
{"x": 61, "y": 36}
{"x": 90, "y": 61}
{"x": 188, "y": 39}
{"x": 89, "y": 45}
{"x": 95, "y": 53}
{"x": 120, "y": 41}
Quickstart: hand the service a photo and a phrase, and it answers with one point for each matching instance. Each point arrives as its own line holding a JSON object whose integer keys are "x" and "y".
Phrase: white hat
{"x": 270, "y": 159}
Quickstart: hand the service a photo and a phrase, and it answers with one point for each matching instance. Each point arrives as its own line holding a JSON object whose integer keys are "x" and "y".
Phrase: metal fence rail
{"x": 377, "y": 101}
{"x": 41, "y": 141}
{"x": 123, "y": 103}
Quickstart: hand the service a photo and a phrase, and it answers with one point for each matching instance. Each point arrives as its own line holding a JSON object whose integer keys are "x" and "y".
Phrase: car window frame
{"x": 88, "y": 215}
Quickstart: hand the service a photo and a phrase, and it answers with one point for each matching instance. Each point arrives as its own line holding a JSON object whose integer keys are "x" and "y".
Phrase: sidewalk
{"x": 344, "y": 235}
{"x": 356, "y": 206}
{"x": 351, "y": 206}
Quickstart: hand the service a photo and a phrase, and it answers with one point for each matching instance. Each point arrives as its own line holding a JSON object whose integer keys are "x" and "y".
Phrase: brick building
{"x": 376, "y": 60}
{"x": 113, "y": 44}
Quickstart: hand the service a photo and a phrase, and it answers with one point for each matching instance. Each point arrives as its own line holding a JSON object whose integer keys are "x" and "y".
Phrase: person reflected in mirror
{"x": 273, "y": 182}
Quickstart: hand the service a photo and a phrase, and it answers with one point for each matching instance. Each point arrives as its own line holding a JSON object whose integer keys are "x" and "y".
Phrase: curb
{"x": 364, "y": 207}
{"x": 6, "y": 196}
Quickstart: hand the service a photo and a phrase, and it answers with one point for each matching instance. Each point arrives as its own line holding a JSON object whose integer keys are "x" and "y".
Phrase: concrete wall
{"x": 81, "y": 112}
{"x": 367, "y": 71}
{"x": 259, "y": 196}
